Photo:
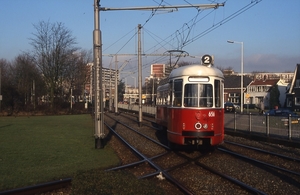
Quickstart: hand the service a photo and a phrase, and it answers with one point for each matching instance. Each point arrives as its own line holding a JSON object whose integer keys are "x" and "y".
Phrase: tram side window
{"x": 159, "y": 98}
{"x": 206, "y": 95}
{"x": 218, "y": 93}
{"x": 166, "y": 98}
{"x": 171, "y": 93}
{"x": 177, "y": 92}
{"x": 191, "y": 95}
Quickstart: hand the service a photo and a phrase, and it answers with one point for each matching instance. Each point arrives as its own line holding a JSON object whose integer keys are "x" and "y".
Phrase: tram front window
{"x": 198, "y": 95}
{"x": 191, "y": 95}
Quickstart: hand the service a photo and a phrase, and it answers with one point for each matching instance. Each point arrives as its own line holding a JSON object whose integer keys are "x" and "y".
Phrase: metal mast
{"x": 140, "y": 73}
{"x": 98, "y": 88}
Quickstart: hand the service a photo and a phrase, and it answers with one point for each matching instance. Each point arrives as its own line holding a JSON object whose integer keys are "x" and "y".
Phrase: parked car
{"x": 229, "y": 107}
{"x": 250, "y": 106}
{"x": 284, "y": 114}
{"x": 281, "y": 112}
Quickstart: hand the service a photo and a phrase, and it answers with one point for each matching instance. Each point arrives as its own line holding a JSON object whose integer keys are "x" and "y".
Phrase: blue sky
{"x": 270, "y": 30}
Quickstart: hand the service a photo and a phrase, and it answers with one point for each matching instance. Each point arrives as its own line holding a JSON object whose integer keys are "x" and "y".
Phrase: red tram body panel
{"x": 190, "y": 105}
{"x": 186, "y": 126}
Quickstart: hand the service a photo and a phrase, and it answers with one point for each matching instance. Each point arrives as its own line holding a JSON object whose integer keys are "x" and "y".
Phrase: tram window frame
{"x": 177, "y": 85}
{"x": 218, "y": 92}
{"x": 191, "y": 95}
{"x": 206, "y": 96}
{"x": 162, "y": 97}
{"x": 171, "y": 92}
{"x": 158, "y": 98}
{"x": 202, "y": 97}
{"x": 166, "y": 98}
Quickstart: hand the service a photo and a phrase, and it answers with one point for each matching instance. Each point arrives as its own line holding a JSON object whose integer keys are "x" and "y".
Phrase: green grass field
{"x": 45, "y": 148}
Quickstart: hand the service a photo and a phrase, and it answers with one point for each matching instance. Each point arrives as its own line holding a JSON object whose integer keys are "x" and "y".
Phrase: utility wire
{"x": 227, "y": 19}
{"x": 179, "y": 35}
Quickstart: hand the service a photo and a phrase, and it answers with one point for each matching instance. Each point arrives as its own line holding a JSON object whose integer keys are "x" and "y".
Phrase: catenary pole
{"x": 140, "y": 73}
{"x": 98, "y": 87}
{"x": 116, "y": 85}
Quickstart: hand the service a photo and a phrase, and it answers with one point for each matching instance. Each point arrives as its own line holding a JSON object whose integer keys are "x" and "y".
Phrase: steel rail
{"x": 40, "y": 188}
{"x": 148, "y": 160}
{"x": 257, "y": 161}
{"x": 142, "y": 122}
{"x": 243, "y": 185}
{"x": 264, "y": 151}
{"x": 189, "y": 160}
{"x": 162, "y": 145}
{"x": 174, "y": 167}
{"x": 134, "y": 163}
{"x": 235, "y": 181}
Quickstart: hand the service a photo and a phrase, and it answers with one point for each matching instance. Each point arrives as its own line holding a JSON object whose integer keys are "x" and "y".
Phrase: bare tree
{"x": 8, "y": 91}
{"x": 28, "y": 81}
{"x": 53, "y": 48}
{"x": 79, "y": 73}
{"x": 84, "y": 71}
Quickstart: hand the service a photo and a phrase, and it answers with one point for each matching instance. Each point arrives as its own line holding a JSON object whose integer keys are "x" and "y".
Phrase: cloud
{"x": 271, "y": 63}
{"x": 261, "y": 63}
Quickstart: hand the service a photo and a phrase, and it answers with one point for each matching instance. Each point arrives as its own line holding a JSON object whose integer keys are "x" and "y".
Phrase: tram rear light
{"x": 183, "y": 125}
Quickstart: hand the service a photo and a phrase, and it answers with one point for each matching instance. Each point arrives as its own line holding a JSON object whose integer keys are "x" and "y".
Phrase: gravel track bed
{"x": 267, "y": 158}
{"x": 168, "y": 160}
{"x": 201, "y": 181}
{"x": 142, "y": 144}
{"x": 126, "y": 156}
{"x": 263, "y": 178}
{"x": 276, "y": 148}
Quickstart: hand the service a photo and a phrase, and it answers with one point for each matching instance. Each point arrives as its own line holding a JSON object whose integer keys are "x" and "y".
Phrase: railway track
{"x": 173, "y": 165}
{"x": 259, "y": 172}
{"x": 41, "y": 188}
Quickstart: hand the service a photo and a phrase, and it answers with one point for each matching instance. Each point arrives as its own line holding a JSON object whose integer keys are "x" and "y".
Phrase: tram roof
{"x": 196, "y": 70}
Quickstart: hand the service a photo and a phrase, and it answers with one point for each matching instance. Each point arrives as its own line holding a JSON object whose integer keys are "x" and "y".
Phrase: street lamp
{"x": 242, "y": 72}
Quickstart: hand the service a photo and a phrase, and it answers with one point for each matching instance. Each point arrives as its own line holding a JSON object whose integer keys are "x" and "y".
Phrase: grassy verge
{"x": 45, "y": 148}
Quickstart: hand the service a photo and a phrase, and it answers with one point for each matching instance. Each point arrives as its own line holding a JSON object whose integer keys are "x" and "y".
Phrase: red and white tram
{"x": 190, "y": 104}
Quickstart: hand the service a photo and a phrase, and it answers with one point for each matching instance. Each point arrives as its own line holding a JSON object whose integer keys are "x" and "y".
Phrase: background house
{"x": 293, "y": 92}
{"x": 259, "y": 91}
{"x": 257, "y": 87}
{"x": 232, "y": 88}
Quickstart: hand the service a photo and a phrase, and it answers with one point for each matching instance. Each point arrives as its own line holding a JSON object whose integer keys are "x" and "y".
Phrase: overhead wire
{"x": 225, "y": 20}
{"x": 153, "y": 13}
{"x": 213, "y": 27}
{"x": 132, "y": 30}
{"x": 185, "y": 39}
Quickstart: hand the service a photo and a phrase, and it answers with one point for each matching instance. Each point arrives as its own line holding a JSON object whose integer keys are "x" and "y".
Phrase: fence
{"x": 271, "y": 126}
{"x": 134, "y": 107}
{"x": 286, "y": 127}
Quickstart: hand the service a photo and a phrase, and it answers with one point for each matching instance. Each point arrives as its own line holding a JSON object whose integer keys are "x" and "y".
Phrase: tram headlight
{"x": 205, "y": 126}
{"x": 198, "y": 125}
